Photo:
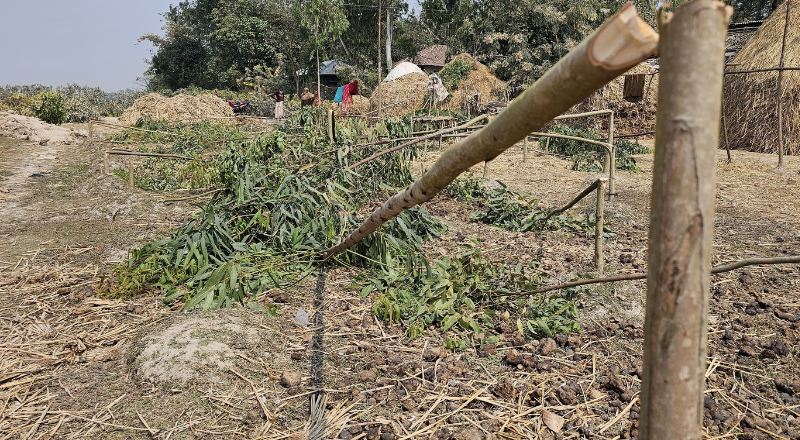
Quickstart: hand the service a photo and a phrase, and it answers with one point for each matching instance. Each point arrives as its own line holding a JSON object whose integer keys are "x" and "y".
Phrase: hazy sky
{"x": 89, "y": 42}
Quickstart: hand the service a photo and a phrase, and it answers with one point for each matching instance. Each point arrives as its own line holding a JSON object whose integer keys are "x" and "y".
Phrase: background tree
{"x": 325, "y": 21}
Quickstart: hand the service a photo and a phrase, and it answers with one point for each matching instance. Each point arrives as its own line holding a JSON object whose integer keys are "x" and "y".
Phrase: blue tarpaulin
{"x": 339, "y": 93}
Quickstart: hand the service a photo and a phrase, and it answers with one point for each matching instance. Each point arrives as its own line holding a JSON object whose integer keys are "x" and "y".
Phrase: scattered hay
{"x": 629, "y": 117}
{"x": 751, "y": 99}
{"x": 400, "y": 97}
{"x": 478, "y": 88}
{"x": 178, "y": 108}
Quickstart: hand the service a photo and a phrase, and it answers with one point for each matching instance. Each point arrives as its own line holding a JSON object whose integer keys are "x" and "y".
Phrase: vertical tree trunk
{"x": 389, "y": 29}
{"x": 692, "y": 50}
{"x": 319, "y": 83}
{"x": 377, "y": 87}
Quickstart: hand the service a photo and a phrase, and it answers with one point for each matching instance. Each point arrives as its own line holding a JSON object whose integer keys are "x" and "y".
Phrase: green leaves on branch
{"x": 517, "y": 211}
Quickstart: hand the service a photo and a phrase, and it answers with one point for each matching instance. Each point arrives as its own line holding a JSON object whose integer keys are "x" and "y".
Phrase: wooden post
{"x": 692, "y": 52}
{"x": 130, "y": 173}
{"x": 779, "y": 168}
{"x": 525, "y": 149}
{"x": 486, "y": 169}
{"x": 599, "y": 216}
{"x": 330, "y": 125}
{"x": 613, "y": 156}
{"x": 105, "y": 163}
{"x": 547, "y": 145}
{"x": 725, "y": 129}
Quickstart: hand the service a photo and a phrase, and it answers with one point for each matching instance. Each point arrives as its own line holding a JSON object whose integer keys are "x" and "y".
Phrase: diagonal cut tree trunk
{"x": 692, "y": 52}
{"x": 622, "y": 42}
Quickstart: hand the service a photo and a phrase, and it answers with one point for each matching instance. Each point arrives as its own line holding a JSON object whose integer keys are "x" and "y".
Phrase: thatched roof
{"x": 432, "y": 56}
{"x": 751, "y": 99}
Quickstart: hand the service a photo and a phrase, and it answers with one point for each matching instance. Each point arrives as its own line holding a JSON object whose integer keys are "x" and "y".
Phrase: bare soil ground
{"x": 75, "y": 365}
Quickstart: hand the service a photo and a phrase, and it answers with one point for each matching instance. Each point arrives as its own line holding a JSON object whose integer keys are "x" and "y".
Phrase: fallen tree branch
{"x": 640, "y": 276}
{"x": 418, "y": 140}
{"x": 137, "y": 153}
{"x": 619, "y": 44}
{"x": 577, "y": 199}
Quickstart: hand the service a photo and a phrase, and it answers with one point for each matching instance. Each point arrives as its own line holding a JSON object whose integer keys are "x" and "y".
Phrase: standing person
{"x": 278, "y": 97}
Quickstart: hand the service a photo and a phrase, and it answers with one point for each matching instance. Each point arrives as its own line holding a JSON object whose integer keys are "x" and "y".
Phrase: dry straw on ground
{"x": 404, "y": 95}
{"x": 480, "y": 81}
{"x": 178, "y": 108}
{"x": 630, "y": 117}
{"x": 751, "y": 99}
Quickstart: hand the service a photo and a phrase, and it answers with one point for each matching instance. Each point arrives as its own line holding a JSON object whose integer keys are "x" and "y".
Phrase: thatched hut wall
{"x": 629, "y": 117}
{"x": 751, "y": 99}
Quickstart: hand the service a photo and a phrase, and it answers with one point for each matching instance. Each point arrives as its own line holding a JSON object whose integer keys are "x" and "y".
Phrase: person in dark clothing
{"x": 278, "y": 97}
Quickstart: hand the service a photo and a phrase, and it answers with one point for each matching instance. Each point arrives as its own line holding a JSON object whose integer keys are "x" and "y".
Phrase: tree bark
{"x": 692, "y": 52}
{"x": 389, "y": 31}
{"x": 622, "y": 42}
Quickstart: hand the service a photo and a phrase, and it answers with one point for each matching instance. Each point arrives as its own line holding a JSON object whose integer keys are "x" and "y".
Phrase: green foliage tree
{"x": 210, "y": 43}
{"x": 325, "y": 21}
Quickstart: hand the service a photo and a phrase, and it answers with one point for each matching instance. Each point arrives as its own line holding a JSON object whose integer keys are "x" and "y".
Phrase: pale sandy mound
{"x": 182, "y": 108}
{"x": 34, "y": 129}
{"x": 196, "y": 346}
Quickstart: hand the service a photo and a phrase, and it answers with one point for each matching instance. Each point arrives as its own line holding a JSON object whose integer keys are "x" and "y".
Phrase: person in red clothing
{"x": 278, "y": 97}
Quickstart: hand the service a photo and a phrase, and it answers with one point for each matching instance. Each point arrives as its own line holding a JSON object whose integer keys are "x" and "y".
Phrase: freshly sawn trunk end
{"x": 619, "y": 44}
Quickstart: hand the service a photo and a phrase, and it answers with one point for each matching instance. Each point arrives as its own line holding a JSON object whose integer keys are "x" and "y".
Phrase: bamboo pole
{"x": 725, "y": 129}
{"x": 330, "y": 125}
{"x": 588, "y": 190}
{"x": 598, "y": 231}
{"x": 105, "y": 163}
{"x": 525, "y": 150}
{"x": 130, "y": 173}
{"x": 622, "y": 42}
{"x": 485, "y": 170}
{"x": 612, "y": 165}
{"x": 779, "y": 168}
{"x": 640, "y": 276}
{"x": 692, "y": 52}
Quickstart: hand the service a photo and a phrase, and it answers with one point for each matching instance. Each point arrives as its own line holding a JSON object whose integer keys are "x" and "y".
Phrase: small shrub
{"x": 468, "y": 188}
{"x": 454, "y": 73}
{"x": 590, "y": 158}
{"x": 51, "y": 108}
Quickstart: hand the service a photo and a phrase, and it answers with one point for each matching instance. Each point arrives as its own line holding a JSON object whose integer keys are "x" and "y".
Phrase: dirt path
{"x": 59, "y": 202}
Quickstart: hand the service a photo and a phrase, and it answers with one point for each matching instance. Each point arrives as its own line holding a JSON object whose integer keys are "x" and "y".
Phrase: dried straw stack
{"x": 629, "y": 117}
{"x": 400, "y": 97}
{"x": 178, "y": 108}
{"x": 479, "y": 81}
{"x": 360, "y": 106}
{"x": 751, "y": 99}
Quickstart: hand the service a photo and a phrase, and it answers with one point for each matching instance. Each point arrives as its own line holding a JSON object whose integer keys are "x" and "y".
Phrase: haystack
{"x": 400, "y": 97}
{"x": 178, "y": 108}
{"x": 360, "y": 106}
{"x": 751, "y": 99}
{"x": 480, "y": 83}
{"x": 629, "y": 117}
